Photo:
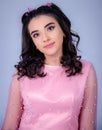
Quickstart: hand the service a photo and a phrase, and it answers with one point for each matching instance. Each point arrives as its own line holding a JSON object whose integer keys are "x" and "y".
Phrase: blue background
{"x": 86, "y": 18}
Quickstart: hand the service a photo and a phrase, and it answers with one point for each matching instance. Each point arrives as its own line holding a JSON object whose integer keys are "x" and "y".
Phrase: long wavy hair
{"x": 32, "y": 60}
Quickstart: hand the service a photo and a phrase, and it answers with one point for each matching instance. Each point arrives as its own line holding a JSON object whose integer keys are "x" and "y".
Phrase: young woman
{"x": 52, "y": 88}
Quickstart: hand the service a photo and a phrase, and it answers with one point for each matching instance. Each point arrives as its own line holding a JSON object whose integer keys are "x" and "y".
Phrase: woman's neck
{"x": 52, "y": 61}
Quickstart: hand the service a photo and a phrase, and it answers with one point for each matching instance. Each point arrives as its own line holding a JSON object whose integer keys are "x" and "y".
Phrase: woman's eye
{"x": 50, "y": 28}
{"x": 35, "y": 35}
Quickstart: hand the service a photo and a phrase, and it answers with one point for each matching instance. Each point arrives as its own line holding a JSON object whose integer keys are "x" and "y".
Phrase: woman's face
{"x": 47, "y": 35}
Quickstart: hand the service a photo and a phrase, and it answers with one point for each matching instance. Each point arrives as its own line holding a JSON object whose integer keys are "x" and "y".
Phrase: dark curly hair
{"x": 32, "y": 60}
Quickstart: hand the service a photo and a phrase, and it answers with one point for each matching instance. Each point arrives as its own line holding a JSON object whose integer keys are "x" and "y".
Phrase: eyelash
{"x": 35, "y": 35}
{"x": 50, "y": 28}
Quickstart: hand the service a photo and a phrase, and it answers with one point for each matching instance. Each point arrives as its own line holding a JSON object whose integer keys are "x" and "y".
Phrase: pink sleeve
{"x": 14, "y": 106}
{"x": 89, "y": 106}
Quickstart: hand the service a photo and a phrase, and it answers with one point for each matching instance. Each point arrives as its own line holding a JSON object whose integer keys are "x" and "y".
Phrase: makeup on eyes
{"x": 50, "y": 26}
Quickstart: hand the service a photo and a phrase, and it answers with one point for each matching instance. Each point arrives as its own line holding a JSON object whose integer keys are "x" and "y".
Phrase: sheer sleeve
{"x": 14, "y": 106}
{"x": 89, "y": 106}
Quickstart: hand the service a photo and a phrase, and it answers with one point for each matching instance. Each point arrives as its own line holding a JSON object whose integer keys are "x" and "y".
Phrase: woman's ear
{"x": 64, "y": 36}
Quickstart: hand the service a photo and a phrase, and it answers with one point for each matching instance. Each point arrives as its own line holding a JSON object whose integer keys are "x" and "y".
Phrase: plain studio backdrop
{"x": 86, "y": 18}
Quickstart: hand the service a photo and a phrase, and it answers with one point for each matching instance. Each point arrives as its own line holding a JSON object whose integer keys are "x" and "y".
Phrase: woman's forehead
{"x": 41, "y": 20}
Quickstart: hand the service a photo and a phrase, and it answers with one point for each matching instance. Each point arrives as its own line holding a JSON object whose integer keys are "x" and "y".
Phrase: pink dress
{"x": 53, "y": 102}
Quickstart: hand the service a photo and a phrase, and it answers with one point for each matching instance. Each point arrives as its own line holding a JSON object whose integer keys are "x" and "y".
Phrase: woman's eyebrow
{"x": 33, "y": 32}
{"x": 49, "y": 24}
{"x": 44, "y": 27}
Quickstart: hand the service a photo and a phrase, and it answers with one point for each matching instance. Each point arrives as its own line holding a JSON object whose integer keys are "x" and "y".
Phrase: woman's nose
{"x": 45, "y": 37}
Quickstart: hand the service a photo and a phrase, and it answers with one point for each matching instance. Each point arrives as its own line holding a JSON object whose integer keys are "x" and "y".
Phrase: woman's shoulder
{"x": 86, "y": 65}
{"x": 84, "y": 61}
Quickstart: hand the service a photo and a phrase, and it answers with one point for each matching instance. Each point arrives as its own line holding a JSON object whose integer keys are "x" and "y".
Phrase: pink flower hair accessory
{"x": 48, "y": 4}
{"x": 29, "y": 10}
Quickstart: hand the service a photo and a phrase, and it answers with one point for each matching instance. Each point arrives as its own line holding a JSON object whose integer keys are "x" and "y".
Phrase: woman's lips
{"x": 49, "y": 45}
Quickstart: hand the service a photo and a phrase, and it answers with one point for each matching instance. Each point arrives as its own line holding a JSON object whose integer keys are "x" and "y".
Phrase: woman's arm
{"x": 14, "y": 107}
{"x": 89, "y": 106}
